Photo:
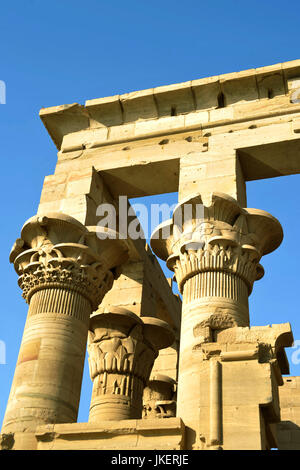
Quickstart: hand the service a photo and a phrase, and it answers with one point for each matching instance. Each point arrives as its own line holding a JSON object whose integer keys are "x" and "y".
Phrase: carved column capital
{"x": 57, "y": 251}
{"x": 122, "y": 348}
{"x": 214, "y": 249}
{"x": 224, "y": 237}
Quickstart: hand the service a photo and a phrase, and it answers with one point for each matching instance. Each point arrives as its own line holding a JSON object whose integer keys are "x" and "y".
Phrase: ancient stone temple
{"x": 169, "y": 371}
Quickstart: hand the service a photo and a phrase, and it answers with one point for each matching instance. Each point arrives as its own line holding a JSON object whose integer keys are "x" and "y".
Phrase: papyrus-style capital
{"x": 56, "y": 251}
{"x": 224, "y": 237}
{"x": 122, "y": 349}
{"x": 214, "y": 249}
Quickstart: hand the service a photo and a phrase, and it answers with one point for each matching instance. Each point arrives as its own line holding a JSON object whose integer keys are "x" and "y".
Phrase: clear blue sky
{"x": 64, "y": 51}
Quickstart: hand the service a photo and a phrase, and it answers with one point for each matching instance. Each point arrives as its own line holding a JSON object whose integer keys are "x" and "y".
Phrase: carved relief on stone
{"x": 58, "y": 252}
{"x": 203, "y": 331}
{"x": 122, "y": 348}
{"x": 159, "y": 399}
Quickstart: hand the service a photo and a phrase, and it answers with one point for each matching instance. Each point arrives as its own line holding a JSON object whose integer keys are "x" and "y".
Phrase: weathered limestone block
{"x": 159, "y": 397}
{"x": 122, "y": 349}
{"x": 64, "y": 271}
{"x": 133, "y": 434}
{"x": 204, "y": 172}
{"x": 234, "y": 402}
{"x": 288, "y": 430}
{"x": 76, "y": 193}
{"x": 167, "y": 361}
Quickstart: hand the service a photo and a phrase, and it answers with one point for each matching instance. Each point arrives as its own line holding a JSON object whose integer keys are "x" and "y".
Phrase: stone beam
{"x": 140, "y": 141}
{"x": 133, "y": 434}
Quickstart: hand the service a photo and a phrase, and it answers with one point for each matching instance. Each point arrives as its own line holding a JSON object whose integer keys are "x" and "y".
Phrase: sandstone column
{"x": 64, "y": 271}
{"x": 122, "y": 349}
{"x": 215, "y": 256}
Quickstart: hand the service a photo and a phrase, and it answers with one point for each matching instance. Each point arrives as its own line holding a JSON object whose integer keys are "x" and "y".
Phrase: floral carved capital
{"x": 122, "y": 349}
{"x": 218, "y": 236}
{"x": 57, "y": 251}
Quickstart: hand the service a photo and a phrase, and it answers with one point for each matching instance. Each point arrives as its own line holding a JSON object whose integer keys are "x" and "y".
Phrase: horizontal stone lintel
{"x": 166, "y": 434}
{"x": 192, "y": 103}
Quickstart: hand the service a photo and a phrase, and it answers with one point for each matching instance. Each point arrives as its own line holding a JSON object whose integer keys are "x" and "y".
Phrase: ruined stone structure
{"x": 167, "y": 374}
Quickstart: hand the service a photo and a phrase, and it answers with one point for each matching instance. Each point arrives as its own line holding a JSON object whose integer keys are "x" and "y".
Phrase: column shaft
{"x": 47, "y": 381}
{"x": 64, "y": 271}
{"x": 214, "y": 247}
